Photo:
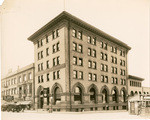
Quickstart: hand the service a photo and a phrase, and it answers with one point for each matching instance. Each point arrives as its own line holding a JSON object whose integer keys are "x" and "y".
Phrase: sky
{"x": 1, "y": 1}
{"x": 127, "y": 20}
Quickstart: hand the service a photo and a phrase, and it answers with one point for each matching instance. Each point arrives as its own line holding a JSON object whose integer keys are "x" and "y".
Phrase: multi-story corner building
{"x": 19, "y": 85}
{"x": 79, "y": 67}
{"x": 134, "y": 85}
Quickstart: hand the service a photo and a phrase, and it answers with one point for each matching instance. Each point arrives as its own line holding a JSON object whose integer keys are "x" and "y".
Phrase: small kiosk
{"x": 139, "y": 104}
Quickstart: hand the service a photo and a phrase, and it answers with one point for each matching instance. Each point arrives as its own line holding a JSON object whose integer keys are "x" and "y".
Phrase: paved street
{"x": 34, "y": 115}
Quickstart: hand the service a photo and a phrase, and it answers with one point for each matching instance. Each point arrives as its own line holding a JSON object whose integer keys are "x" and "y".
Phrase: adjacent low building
{"x": 134, "y": 85}
{"x": 146, "y": 90}
{"x": 19, "y": 85}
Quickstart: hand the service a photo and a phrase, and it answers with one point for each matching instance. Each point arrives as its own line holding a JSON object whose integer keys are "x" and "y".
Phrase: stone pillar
{"x": 99, "y": 99}
{"x": 36, "y": 103}
{"x": 120, "y": 98}
{"x": 45, "y": 106}
{"x": 86, "y": 98}
{"x": 110, "y": 98}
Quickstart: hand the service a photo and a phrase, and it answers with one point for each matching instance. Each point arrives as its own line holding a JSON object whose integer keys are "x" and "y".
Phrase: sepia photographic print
{"x": 75, "y": 59}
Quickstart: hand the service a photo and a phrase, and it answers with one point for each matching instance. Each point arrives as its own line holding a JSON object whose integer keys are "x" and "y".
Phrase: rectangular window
{"x": 47, "y": 39}
{"x": 53, "y": 34}
{"x": 41, "y": 66}
{"x": 124, "y": 64}
{"x": 89, "y": 39}
{"x": 74, "y": 60}
{"x": 41, "y": 42}
{"x": 105, "y": 46}
{"x": 20, "y": 80}
{"x": 106, "y": 68}
{"x": 115, "y": 50}
{"x": 116, "y": 80}
{"x": 54, "y": 61}
{"x": 94, "y": 53}
{"x": 106, "y": 79}
{"x": 80, "y": 48}
{"x": 39, "y": 79}
{"x": 105, "y": 57}
{"x": 41, "y": 54}
{"x": 90, "y": 64}
{"x": 42, "y": 80}
{"x": 102, "y": 78}
{"x": 80, "y": 61}
{"x": 124, "y": 72}
{"x": 57, "y": 33}
{"x": 102, "y": 57}
{"x": 74, "y": 33}
{"x": 47, "y": 76}
{"x": 15, "y": 79}
{"x": 75, "y": 74}
{"x": 94, "y": 77}
{"x": 54, "y": 75}
{"x": 58, "y": 74}
{"x": 120, "y": 52}
{"x": 90, "y": 76}
{"x": 58, "y": 48}
{"x": 120, "y": 62}
{"x": 123, "y": 53}
{"x": 112, "y": 69}
{"x": 112, "y": 80}
{"x": 121, "y": 81}
{"x": 47, "y": 64}
{"x": 112, "y": 49}
{"x": 30, "y": 76}
{"x": 24, "y": 78}
{"x": 94, "y": 65}
{"x": 89, "y": 51}
{"x": 80, "y": 75}
{"x": 54, "y": 48}
{"x": 115, "y": 60}
{"x": 75, "y": 46}
{"x": 112, "y": 59}
{"x": 94, "y": 41}
{"x": 115, "y": 71}
{"x": 47, "y": 51}
{"x": 80, "y": 35}
{"x": 101, "y": 44}
{"x": 102, "y": 67}
{"x": 58, "y": 60}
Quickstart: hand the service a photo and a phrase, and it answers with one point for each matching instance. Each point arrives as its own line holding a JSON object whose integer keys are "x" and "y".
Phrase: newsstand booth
{"x": 134, "y": 104}
{"x": 138, "y": 104}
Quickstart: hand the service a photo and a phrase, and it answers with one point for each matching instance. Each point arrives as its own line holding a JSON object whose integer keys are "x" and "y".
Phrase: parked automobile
{"x": 4, "y": 107}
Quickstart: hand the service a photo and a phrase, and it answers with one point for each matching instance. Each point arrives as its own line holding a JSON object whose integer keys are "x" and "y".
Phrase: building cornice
{"x": 135, "y": 77}
{"x": 21, "y": 70}
{"x": 73, "y": 19}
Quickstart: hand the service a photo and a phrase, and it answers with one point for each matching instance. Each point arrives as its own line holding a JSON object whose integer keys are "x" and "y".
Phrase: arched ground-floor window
{"x": 92, "y": 95}
{"x": 57, "y": 95}
{"x": 114, "y": 95}
{"x": 136, "y": 92}
{"x": 41, "y": 100}
{"x": 104, "y": 96}
{"x": 123, "y": 95}
{"x": 78, "y": 95}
